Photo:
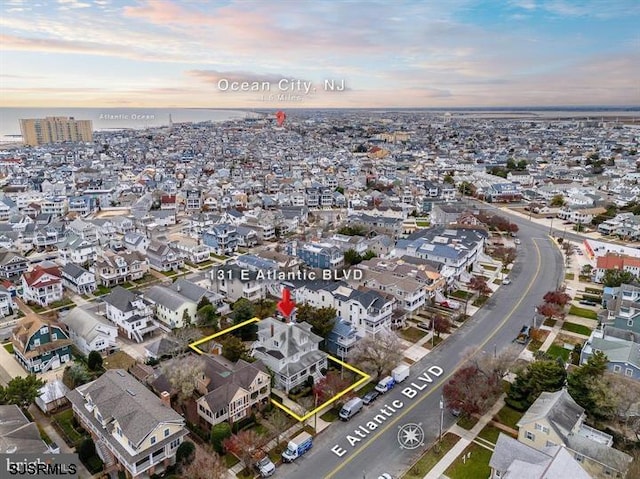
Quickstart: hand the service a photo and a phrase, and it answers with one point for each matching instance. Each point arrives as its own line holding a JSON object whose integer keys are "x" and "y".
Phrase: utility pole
{"x": 441, "y": 419}
{"x": 551, "y": 227}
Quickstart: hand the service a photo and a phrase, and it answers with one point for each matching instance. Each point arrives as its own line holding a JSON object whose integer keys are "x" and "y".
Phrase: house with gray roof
{"x": 78, "y": 279}
{"x": 171, "y": 306}
{"x": 291, "y": 351}
{"x": 164, "y": 257}
{"x": 621, "y": 347}
{"x": 90, "y": 331}
{"x": 132, "y": 428}
{"x": 555, "y": 419}
{"x": 12, "y": 264}
{"x": 18, "y": 435}
{"x": 511, "y": 459}
{"x": 231, "y": 391}
{"x": 131, "y": 312}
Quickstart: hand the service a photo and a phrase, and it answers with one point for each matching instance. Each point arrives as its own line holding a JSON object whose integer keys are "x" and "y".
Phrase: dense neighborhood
{"x": 389, "y": 231}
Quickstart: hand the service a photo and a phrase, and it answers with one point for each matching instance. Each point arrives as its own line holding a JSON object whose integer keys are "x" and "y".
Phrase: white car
{"x": 516, "y": 241}
{"x": 385, "y": 476}
{"x": 506, "y": 281}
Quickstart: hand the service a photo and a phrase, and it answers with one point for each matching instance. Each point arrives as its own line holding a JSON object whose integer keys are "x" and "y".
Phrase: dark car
{"x": 370, "y": 397}
{"x": 586, "y": 302}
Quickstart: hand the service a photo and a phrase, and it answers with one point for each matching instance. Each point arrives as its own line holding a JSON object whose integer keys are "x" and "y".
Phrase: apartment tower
{"x": 55, "y": 129}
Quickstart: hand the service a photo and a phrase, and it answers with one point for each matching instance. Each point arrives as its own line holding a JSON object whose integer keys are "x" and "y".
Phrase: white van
{"x": 350, "y": 409}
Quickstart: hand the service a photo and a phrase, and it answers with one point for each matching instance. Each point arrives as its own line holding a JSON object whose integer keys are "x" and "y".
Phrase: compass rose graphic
{"x": 410, "y": 436}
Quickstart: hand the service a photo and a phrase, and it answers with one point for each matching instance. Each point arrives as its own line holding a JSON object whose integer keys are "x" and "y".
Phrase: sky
{"x": 289, "y": 53}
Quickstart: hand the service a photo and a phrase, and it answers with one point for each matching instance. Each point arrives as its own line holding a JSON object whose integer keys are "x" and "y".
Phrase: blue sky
{"x": 453, "y": 53}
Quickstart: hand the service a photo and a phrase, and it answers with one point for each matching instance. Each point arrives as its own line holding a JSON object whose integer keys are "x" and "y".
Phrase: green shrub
{"x": 219, "y": 433}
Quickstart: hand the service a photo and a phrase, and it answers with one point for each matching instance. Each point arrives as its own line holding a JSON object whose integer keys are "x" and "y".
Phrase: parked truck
{"x": 400, "y": 373}
{"x": 385, "y": 384}
{"x": 297, "y": 447}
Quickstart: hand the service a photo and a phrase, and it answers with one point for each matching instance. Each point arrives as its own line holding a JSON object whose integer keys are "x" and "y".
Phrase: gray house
{"x": 164, "y": 257}
{"x": 621, "y": 347}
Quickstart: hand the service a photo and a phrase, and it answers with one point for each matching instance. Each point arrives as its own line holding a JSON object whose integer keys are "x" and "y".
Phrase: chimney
{"x": 272, "y": 330}
{"x": 165, "y": 397}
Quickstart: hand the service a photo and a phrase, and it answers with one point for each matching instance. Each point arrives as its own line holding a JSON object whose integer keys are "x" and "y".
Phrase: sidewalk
{"x": 466, "y": 438}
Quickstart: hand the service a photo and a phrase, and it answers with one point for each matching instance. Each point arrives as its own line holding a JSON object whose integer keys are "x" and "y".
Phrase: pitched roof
{"x": 17, "y": 434}
{"x": 120, "y": 397}
{"x": 558, "y": 408}
{"x": 38, "y": 276}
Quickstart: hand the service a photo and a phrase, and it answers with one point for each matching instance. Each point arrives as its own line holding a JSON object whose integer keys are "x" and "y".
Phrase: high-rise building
{"x": 55, "y": 129}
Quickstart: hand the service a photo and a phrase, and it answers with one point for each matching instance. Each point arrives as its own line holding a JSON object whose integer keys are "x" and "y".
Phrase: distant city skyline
{"x": 320, "y": 54}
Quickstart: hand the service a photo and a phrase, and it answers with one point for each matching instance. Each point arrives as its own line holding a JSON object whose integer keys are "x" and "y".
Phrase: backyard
{"x": 72, "y": 434}
{"x": 473, "y": 463}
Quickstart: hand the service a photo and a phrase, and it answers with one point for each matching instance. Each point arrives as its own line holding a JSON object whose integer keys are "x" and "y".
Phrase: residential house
{"x": 40, "y": 344}
{"x": 191, "y": 250}
{"x": 231, "y": 392}
{"x": 235, "y": 282}
{"x": 84, "y": 229}
{"x": 12, "y": 265}
{"x": 113, "y": 268}
{"x": 342, "y": 339}
{"x": 130, "y": 312}
{"x": 512, "y": 459}
{"x": 291, "y": 351}
{"x": 580, "y": 216}
{"x": 622, "y": 348}
{"x": 42, "y": 285}
{"x": 320, "y": 255}
{"x": 134, "y": 430}
{"x": 164, "y": 257}
{"x": 135, "y": 242}
{"x": 444, "y": 214}
{"x": 171, "y": 308}
{"x": 617, "y": 261}
{"x": 78, "y": 279}
{"x": 90, "y": 331}
{"x": 78, "y": 250}
{"x": 555, "y": 419}
{"x": 19, "y": 435}
{"x": 7, "y": 304}
{"x": 623, "y": 309}
{"x": 221, "y": 239}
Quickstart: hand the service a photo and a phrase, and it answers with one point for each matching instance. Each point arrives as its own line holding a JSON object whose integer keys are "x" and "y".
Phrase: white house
{"x": 131, "y": 313}
{"x": 90, "y": 331}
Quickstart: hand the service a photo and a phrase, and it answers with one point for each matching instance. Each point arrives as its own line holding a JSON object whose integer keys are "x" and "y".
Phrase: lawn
{"x": 508, "y": 416}
{"x": 480, "y": 300}
{"x": 422, "y": 224}
{"x": 550, "y": 322}
{"x": 569, "y": 276}
{"x": 557, "y": 351}
{"x": 489, "y": 267}
{"x": 583, "y": 312}
{"x": 101, "y": 290}
{"x": 467, "y": 422}
{"x": 8, "y": 347}
{"x": 118, "y": 360}
{"x": 431, "y": 457}
{"x": 217, "y": 256}
{"x": 490, "y": 433}
{"x": 436, "y": 340}
{"x": 576, "y": 328}
{"x": 64, "y": 420}
{"x": 275, "y": 454}
{"x": 461, "y": 294}
{"x": 475, "y": 467}
{"x": 230, "y": 460}
{"x": 412, "y": 334}
{"x": 330, "y": 416}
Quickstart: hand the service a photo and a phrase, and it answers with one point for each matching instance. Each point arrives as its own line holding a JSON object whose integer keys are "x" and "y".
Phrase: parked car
{"x": 506, "y": 281}
{"x": 524, "y": 335}
{"x": 586, "y": 302}
{"x": 385, "y": 475}
{"x": 516, "y": 241}
{"x": 370, "y": 397}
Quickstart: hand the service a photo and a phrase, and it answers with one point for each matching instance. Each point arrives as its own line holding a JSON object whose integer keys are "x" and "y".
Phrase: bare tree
{"x": 277, "y": 423}
{"x": 182, "y": 374}
{"x": 625, "y": 394}
{"x": 497, "y": 364}
{"x": 378, "y": 354}
{"x": 207, "y": 464}
{"x": 244, "y": 445}
{"x": 182, "y": 337}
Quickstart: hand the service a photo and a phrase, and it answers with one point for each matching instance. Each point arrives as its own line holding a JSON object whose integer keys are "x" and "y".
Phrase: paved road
{"x": 342, "y": 453}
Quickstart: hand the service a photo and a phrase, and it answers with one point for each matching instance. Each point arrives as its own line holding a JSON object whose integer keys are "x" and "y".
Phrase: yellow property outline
{"x": 364, "y": 377}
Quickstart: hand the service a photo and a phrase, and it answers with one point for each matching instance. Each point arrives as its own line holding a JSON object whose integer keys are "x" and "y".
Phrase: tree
{"x": 233, "y": 348}
{"x": 352, "y": 257}
{"x": 582, "y": 382}
{"x": 440, "y": 324}
{"x": 558, "y": 297}
{"x": 557, "y": 201}
{"x": 205, "y": 465}
{"x": 186, "y": 452}
{"x": 277, "y": 423}
{"x": 369, "y": 254}
{"x": 22, "y": 391}
{"x": 75, "y": 375}
{"x": 244, "y": 445}
{"x": 539, "y": 376}
{"x": 616, "y": 277}
{"x": 204, "y": 301}
{"x": 550, "y": 310}
{"x": 567, "y": 248}
{"x": 625, "y": 394}
{"x": 329, "y": 386}
{"x": 586, "y": 270}
{"x": 265, "y": 308}
{"x": 479, "y": 285}
{"x": 243, "y": 310}
{"x": 470, "y": 391}
{"x": 449, "y": 179}
{"x": 181, "y": 338}
{"x": 182, "y": 374}
{"x": 467, "y": 189}
{"x": 86, "y": 449}
{"x": 378, "y": 354}
{"x": 94, "y": 361}
{"x": 220, "y": 432}
{"x": 208, "y": 316}
{"x": 186, "y": 318}
{"x": 322, "y": 320}
{"x": 505, "y": 255}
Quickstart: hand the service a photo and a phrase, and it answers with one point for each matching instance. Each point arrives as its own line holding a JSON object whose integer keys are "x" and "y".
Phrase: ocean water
{"x": 112, "y": 118}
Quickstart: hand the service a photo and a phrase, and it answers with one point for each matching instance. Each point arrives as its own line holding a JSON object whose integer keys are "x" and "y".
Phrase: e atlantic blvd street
{"x": 367, "y": 446}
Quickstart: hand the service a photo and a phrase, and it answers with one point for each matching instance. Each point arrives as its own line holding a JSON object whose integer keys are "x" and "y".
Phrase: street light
{"x": 441, "y": 418}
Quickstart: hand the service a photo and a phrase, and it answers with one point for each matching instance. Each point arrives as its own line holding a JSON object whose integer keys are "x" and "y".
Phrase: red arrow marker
{"x": 285, "y": 305}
